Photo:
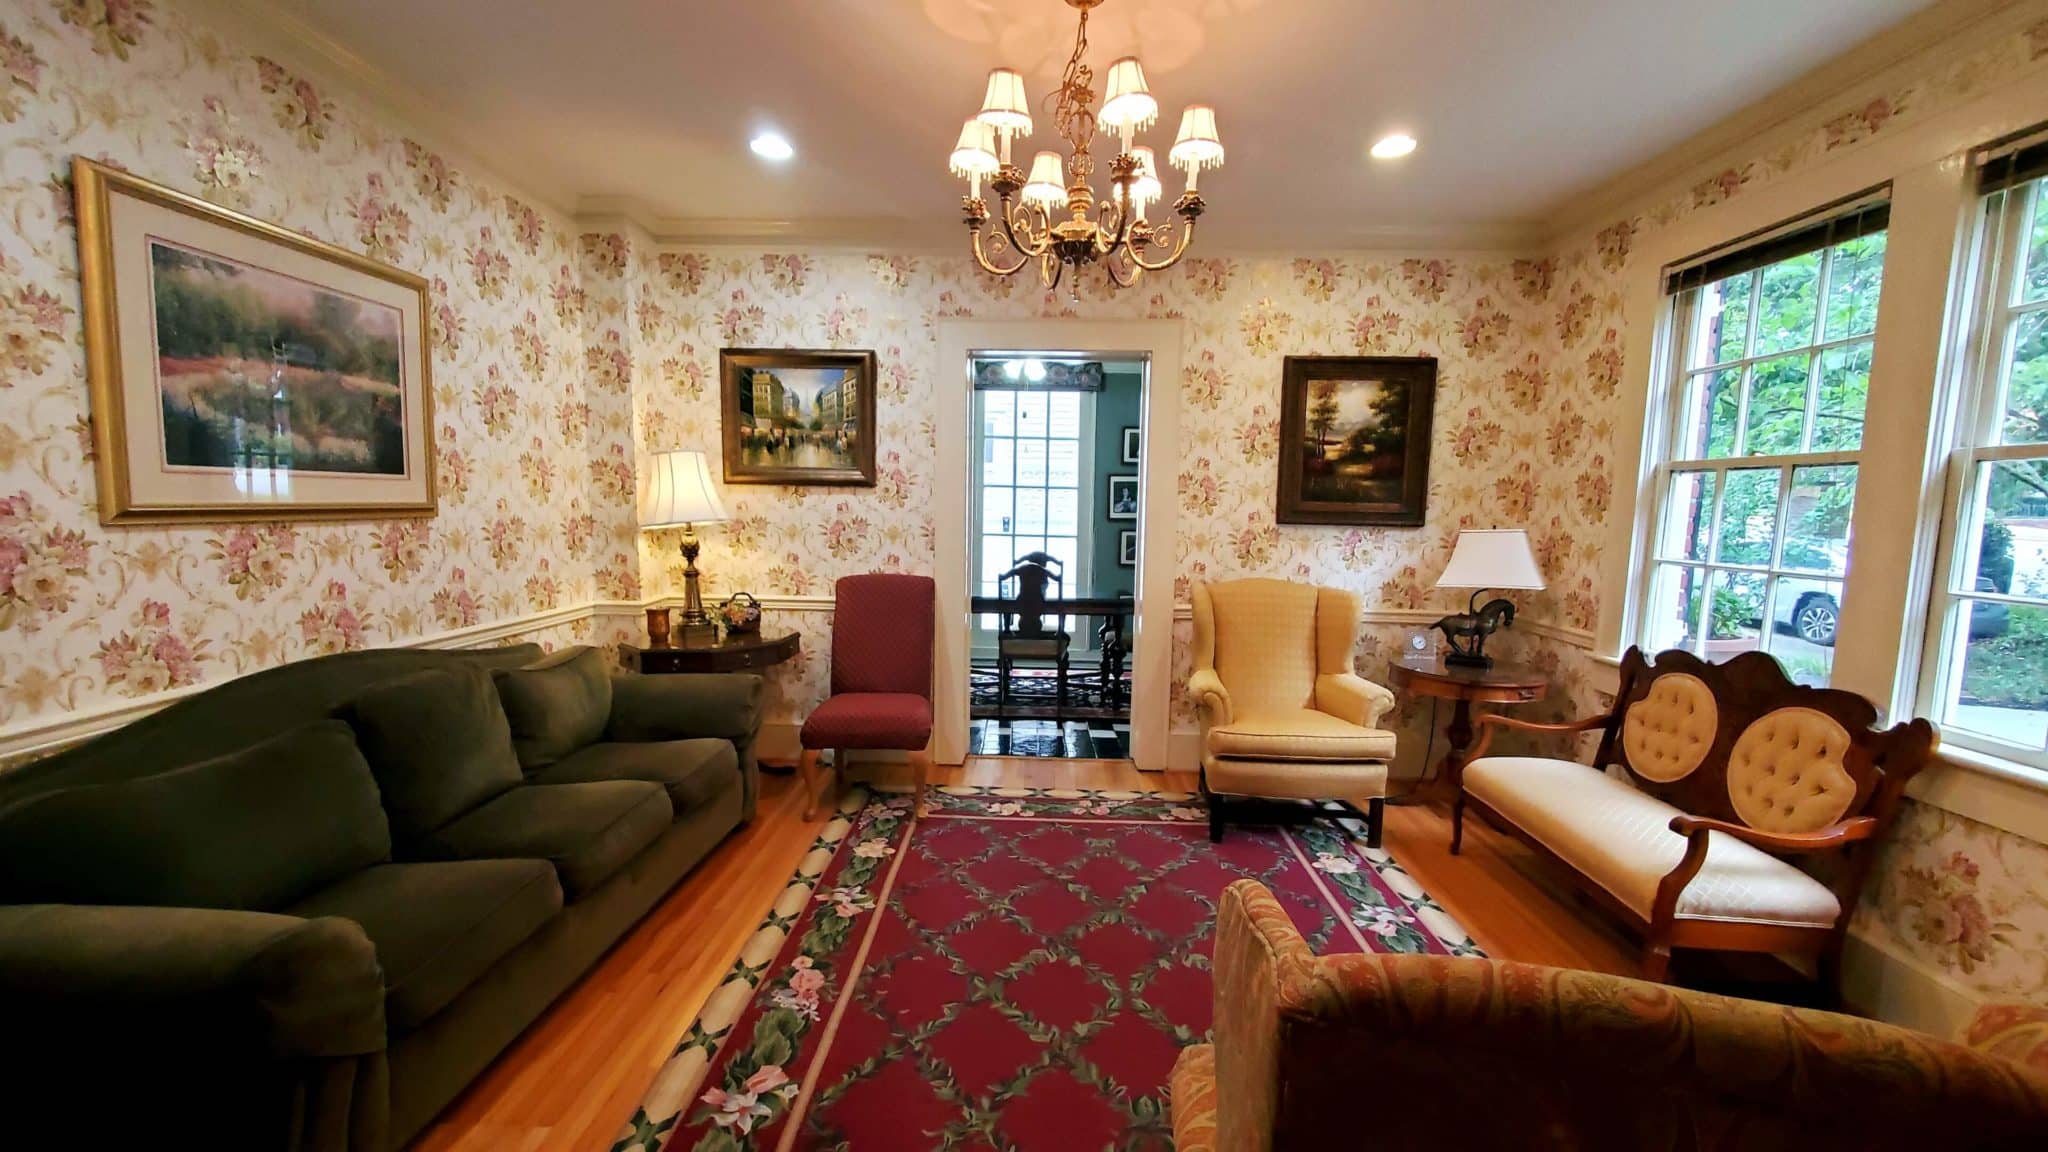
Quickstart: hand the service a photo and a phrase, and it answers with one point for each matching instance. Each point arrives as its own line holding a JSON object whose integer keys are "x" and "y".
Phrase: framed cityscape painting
{"x": 1354, "y": 439}
{"x": 240, "y": 370}
{"x": 794, "y": 417}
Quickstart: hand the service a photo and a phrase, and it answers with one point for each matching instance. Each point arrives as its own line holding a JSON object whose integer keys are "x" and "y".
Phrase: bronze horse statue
{"x": 1472, "y": 627}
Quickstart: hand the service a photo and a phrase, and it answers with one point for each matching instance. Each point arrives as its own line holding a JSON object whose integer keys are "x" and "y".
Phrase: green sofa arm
{"x": 684, "y": 707}
{"x": 277, "y": 987}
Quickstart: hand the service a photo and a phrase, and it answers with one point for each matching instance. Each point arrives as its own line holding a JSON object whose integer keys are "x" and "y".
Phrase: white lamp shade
{"x": 1127, "y": 102}
{"x": 1197, "y": 146}
{"x": 1492, "y": 558}
{"x": 1146, "y": 189}
{"x": 975, "y": 154}
{"x": 1048, "y": 183}
{"x": 1005, "y": 107}
{"x": 677, "y": 490}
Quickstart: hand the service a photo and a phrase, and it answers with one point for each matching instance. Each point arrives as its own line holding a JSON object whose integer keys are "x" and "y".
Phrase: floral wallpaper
{"x": 566, "y": 355}
{"x": 89, "y": 614}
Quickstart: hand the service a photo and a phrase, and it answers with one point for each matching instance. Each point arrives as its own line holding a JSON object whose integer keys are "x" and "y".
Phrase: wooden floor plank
{"x": 577, "y": 1073}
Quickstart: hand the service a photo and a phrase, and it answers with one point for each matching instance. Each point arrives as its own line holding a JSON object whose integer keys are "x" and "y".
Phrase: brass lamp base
{"x": 693, "y": 628}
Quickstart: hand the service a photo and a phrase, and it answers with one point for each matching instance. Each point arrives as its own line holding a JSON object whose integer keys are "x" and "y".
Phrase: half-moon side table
{"x": 735, "y": 653}
{"x": 1465, "y": 686}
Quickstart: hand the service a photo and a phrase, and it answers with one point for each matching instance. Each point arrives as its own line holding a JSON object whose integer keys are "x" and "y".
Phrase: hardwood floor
{"x": 577, "y": 1073}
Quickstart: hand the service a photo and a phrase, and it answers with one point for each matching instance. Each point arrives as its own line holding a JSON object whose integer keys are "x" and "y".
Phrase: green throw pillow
{"x": 438, "y": 743}
{"x": 255, "y": 830}
{"x": 558, "y": 705}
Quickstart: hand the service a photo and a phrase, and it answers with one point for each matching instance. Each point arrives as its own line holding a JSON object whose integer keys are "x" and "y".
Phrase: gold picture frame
{"x": 251, "y": 315}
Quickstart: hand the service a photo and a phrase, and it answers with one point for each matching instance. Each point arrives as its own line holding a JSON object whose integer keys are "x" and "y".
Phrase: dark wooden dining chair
{"x": 882, "y": 628}
{"x": 1024, "y": 635}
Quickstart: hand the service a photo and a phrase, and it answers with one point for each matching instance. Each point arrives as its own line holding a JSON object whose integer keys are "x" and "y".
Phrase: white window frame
{"x": 1996, "y": 256}
{"x": 982, "y": 639}
{"x": 1685, "y": 323}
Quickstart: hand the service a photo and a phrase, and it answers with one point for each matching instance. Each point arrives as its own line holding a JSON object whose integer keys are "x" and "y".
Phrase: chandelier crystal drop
{"x": 1051, "y": 217}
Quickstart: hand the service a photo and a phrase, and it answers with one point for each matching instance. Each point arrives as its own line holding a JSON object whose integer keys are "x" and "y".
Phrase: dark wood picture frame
{"x": 1115, "y": 482}
{"x": 1417, "y": 375}
{"x": 734, "y": 365}
{"x": 1131, "y": 444}
{"x": 1127, "y": 548}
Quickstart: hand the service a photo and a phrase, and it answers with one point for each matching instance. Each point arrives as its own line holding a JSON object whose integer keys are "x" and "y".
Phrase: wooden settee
{"x": 1708, "y": 778}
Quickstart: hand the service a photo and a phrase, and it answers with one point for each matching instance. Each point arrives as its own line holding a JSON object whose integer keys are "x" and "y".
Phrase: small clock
{"x": 1420, "y": 643}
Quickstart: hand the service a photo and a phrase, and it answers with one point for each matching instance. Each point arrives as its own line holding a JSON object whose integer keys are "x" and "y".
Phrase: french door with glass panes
{"x": 1030, "y": 488}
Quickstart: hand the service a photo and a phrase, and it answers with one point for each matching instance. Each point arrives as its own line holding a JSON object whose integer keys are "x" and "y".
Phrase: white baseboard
{"x": 1881, "y": 981}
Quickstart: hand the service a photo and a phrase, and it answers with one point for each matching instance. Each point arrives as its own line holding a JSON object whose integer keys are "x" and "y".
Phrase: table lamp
{"x": 678, "y": 491}
{"x": 1485, "y": 558}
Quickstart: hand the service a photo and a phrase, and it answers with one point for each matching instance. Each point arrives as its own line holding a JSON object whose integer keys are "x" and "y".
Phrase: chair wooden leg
{"x": 921, "y": 765}
{"x": 1656, "y": 961}
{"x": 840, "y": 772}
{"x": 1457, "y": 822}
{"x": 1215, "y": 819}
{"x": 1375, "y": 821}
{"x": 807, "y": 771}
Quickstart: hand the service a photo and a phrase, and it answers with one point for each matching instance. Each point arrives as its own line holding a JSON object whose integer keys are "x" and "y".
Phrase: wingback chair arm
{"x": 1833, "y": 836}
{"x": 1210, "y": 695}
{"x": 1351, "y": 697}
{"x": 1494, "y": 722}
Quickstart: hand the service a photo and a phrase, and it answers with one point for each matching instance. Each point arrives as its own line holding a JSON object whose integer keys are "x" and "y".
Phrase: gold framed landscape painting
{"x": 240, "y": 370}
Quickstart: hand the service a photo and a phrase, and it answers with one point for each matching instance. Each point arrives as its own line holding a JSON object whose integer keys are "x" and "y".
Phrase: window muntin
{"x": 1750, "y": 540}
{"x": 1988, "y": 619}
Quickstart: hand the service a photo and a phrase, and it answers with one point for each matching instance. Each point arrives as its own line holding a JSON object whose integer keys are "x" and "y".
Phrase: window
{"x": 1030, "y": 483}
{"x": 1988, "y": 621}
{"x": 1761, "y": 439}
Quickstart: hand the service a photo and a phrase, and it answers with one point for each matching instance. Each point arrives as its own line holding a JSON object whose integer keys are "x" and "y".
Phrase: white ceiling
{"x": 1519, "y": 104}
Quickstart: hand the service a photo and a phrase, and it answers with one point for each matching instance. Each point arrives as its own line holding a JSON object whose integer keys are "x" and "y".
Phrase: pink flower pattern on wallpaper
{"x": 560, "y": 357}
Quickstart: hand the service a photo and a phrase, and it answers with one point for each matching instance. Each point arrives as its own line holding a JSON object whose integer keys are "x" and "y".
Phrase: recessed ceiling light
{"x": 1393, "y": 147}
{"x": 772, "y": 146}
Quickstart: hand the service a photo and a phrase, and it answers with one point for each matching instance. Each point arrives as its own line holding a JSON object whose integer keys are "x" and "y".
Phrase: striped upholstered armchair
{"x": 1439, "y": 1052}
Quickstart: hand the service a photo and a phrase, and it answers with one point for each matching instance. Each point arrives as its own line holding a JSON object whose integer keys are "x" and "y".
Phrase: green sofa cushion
{"x": 252, "y": 831}
{"x": 439, "y": 744}
{"x": 587, "y": 831}
{"x": 557, "y": 706}
{"x": 438, "y": 927}
{"x": 695, "y": 772}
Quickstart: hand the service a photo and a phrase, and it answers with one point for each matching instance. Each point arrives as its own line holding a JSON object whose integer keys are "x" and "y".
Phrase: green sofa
{"x": 305, "y": 908}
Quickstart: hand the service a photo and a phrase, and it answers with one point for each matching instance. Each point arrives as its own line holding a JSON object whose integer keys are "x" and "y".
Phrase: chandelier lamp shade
{"x": 1051, "y": 216}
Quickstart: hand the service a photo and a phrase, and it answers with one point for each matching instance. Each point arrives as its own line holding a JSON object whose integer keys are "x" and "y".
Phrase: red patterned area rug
{"x": 1016, "y": 971}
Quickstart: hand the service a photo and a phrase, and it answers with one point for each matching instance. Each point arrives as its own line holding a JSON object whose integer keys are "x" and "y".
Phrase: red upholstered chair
{"x": 882, "y": 627}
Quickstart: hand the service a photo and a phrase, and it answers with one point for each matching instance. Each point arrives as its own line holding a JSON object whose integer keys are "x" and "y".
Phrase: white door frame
{"x": 1159, "y": 342}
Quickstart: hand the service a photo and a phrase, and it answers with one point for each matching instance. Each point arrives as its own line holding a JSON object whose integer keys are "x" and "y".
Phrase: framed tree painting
{"x": 1354, "y": 439}
{"x": 240, "y": 370}
{"x": 795, "y": 417}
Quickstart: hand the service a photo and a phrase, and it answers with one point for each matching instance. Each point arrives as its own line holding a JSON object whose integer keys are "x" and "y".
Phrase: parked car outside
{"x": 1808, "y": 609}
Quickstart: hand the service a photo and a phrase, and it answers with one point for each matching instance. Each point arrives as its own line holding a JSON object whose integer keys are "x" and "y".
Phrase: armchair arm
{"x": 1349, "y": 696}
{"x": 272, "y": 986}
{"x": 1819, "y": 840}
{"x": 1210, "y": 695}
{"x": 1492, "y": 722}
{"x": 682, "y": 707}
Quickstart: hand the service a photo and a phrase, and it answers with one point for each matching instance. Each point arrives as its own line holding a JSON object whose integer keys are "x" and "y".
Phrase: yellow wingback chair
{"x": 1283, "y": 714}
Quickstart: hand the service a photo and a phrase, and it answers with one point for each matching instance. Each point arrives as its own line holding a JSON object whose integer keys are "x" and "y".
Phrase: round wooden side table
{"x": 1465, "y": 686}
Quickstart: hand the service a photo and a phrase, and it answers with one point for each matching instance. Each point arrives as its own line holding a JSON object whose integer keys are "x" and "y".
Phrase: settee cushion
{"x": 251, "y": 831}
{"x": 557, "y": 705}
{"x": 438, "y": 743}
{"x": 1193, "y": 1089}
{"x": 1621, "y": 839}
{"x": 437, "y": 927}
{"x": 694, "y": 772}
{"x": 587, "y": 831}
{"x": 1298, "y": 734}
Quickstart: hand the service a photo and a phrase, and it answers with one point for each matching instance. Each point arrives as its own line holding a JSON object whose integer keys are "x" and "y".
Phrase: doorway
{"x": 1054, "y": 524}
{"x": 961, "y": 503}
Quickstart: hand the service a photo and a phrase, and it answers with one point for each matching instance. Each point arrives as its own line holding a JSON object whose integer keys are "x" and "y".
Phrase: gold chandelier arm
{"x": 1033, "y": 241}
{"x": 1050, "y": 271}
{"x": 1190, "y": 209}
{"x": 989, "y": 266}
{"x": 1110, "y": 265}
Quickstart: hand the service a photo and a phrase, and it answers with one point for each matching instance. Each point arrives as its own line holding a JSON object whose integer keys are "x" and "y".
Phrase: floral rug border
{"x": 1375, "y": 894}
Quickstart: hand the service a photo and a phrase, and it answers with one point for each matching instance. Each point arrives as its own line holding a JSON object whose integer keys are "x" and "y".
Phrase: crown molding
{"x": 1926, "y": 38}
{"x": 267, "y": 25}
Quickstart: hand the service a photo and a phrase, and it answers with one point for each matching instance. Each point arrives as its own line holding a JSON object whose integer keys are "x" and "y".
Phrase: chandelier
{"x": 1052, "y": 217}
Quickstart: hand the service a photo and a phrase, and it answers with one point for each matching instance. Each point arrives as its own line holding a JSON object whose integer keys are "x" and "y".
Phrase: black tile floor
{"x": 1073, "y": 740}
